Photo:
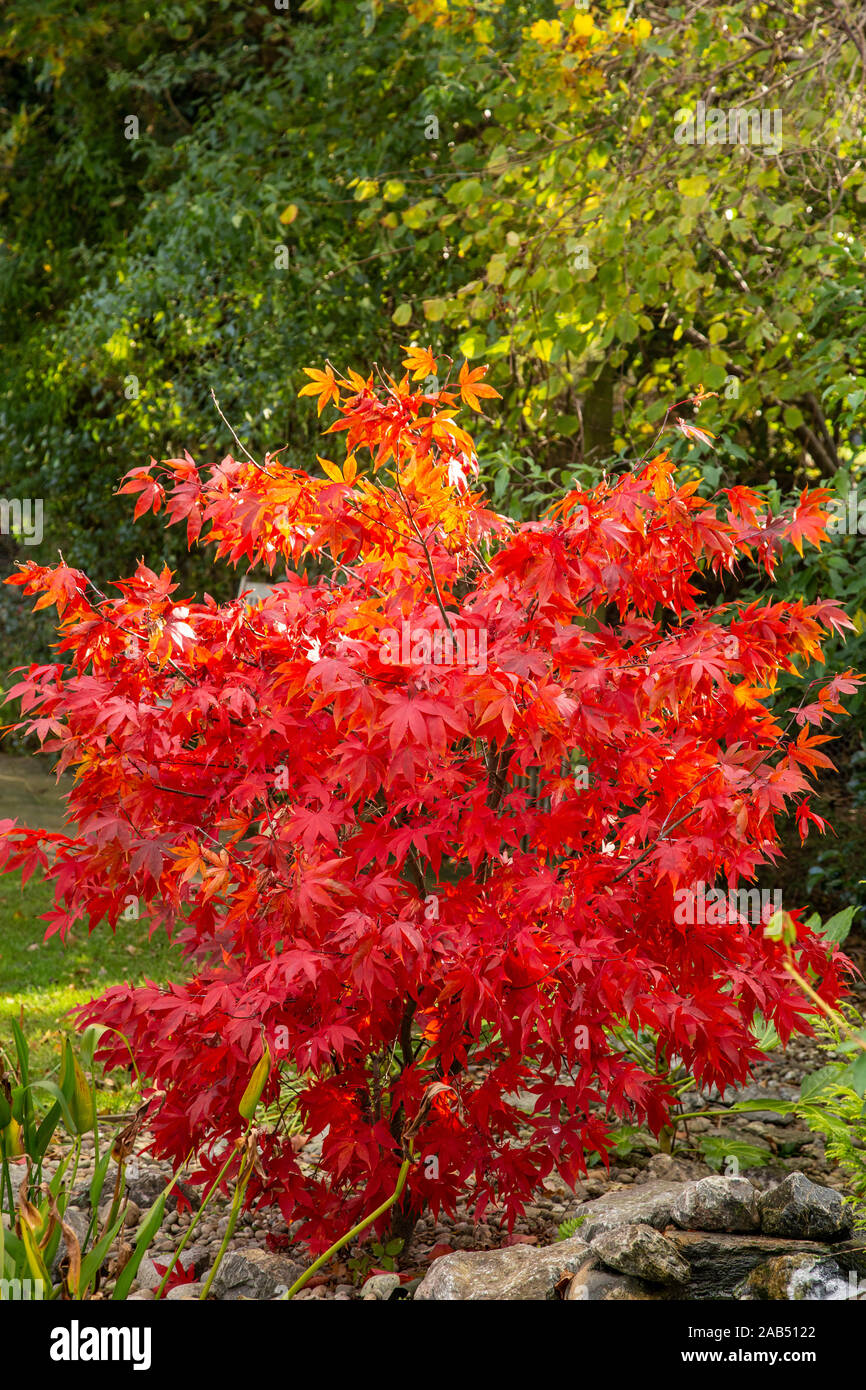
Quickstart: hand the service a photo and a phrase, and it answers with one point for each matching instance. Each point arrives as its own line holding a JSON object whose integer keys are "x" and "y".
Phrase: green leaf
{"x": 858, "y": 1075}
{"x": 402, "y": 314}
{"x": 781, "y": 1107}
{"x": 98, "y": 1180}
{"x": 45, "y": 1131}
{"x": 696, "y": 186}
{"x": 92, "y": 1262}
{"x": 14, "y": 1247}
{"x": 812, "y": 1085}
{"x": 148, "y": 1229}
{"x": 717, "y": 1148}
{"x": 837, "y": 927}
{"x": 55, "y": 1091}
{"x": 23, "y": 1052}
{"x": 473, "y": 343}
{"x": 500, "y": 484}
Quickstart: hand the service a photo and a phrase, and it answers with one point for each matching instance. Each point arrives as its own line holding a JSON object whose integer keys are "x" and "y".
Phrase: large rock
{"x": 149, "y": 1183}
{"x": 719, "y": 1263}
{"x": 516, "y": 1272}
{"x": 649, "y": 1204}
{"x": 255, "y": 1274}
{"x": 642, "y": 1252}
{"x": 717, "y": 1204}
{"x": 802, "y": 1210}
{"x": 801, "y": 1278}
{"x": 593, "y": 1285}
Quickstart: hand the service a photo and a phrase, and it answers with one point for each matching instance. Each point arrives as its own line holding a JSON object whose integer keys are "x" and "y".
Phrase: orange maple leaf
{"x": 659, "y": 471}
{"x": 355, "y": 382}
{"x": 420, "y": 362}
{"x": 471, "y": 386}
{"x": 809, "y": 519}
{"x": 323, "y": 385}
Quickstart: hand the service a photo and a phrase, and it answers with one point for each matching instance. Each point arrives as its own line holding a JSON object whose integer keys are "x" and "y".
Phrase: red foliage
{"x": 179, "y": 1275}
{"x": 383, "y": 853}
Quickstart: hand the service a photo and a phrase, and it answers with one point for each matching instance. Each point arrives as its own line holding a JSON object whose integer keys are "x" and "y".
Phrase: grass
{"x": 42, "y": 980}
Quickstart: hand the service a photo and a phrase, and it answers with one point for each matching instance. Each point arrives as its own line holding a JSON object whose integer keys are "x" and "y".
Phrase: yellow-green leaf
{"x": 696, "y": 186}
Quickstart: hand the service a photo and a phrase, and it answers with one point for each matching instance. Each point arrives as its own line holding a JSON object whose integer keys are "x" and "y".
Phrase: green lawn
{"x": 46, "y": 978}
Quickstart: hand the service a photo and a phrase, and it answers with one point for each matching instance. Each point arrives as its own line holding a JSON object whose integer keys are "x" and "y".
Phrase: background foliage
{"x": 500, "y": 180}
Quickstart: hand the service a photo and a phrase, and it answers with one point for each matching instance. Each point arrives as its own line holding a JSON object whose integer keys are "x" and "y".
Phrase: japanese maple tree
{"x": 440, "y": 889}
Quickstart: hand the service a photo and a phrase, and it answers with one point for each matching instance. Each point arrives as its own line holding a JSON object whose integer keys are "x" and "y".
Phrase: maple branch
{"x": 498, "y": 781}
{"x": 360, "y": 578}
{"x": 406, "y": 1032}
{"x": 423, "y": 545}
{"x": 649, "y": 849}
{"x": 178, "y": 791}
{"x": 239, "y": 443}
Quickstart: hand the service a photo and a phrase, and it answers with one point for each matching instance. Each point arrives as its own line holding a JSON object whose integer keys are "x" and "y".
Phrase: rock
{"x": 649, "y": 1204}
{"x": 379, "y": 1286}
{"x": 147, "y": 1185}
{"x": 183, "y": 1293}
{"x": 593, "y": 1285}
{"x": 200, "y": 1254}
{"x": 148, "y": 1277}
{"x": 665, "y": 1168}
{"x": 255, "y": 1274}
{"x": 720, "y": 1263}
{"x": 641, "y": 1251}
{"x": 140, "y": 1296}
{"x": 800, "y": 1278}
{"x": 131, "y": 1215}
{"x": 279, "y": 1267}
{"x": 515, "y": 1272}
{"x": 800, "y": 1209}
{"x": 717, "y": 1204}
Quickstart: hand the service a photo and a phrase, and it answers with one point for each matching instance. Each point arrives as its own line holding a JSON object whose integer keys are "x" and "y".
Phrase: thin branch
{"x": 234, "y": 436}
